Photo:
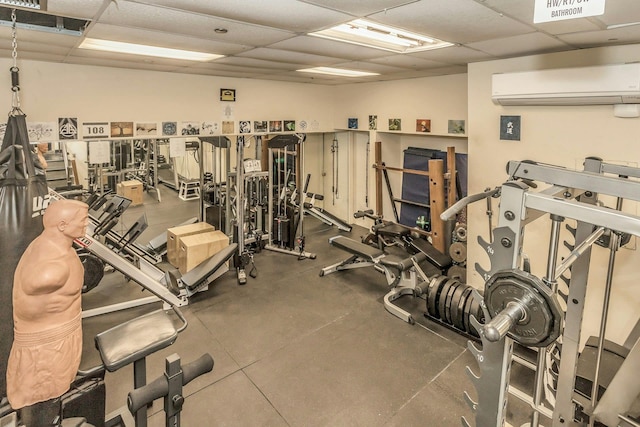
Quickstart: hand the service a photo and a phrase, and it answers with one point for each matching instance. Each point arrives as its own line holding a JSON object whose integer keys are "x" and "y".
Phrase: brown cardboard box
{"x": 198, "y": 247}
{"x": 132, "y": 190}
{"x": 175, "y": 233}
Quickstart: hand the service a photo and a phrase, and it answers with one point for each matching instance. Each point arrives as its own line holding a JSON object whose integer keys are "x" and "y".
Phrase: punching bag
{"x": 23, "y": 198}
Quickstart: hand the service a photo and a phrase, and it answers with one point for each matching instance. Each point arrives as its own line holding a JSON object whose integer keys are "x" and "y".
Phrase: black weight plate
{"x": 434, "y": 292}
{"x": 442, "y": 308}
{"x": 476, "y": 311}
{"x": 455, "y": 302}
{"x": 461, "y": 303}
{"x": 93, "y": 271}
{"x": 452, "y": 303}
{"x": 447, "y": 301}
{"x": 466, "y": 311}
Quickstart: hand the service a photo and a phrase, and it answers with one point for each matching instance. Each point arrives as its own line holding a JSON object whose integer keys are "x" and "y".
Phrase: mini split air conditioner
{"x": 599, "y": 85}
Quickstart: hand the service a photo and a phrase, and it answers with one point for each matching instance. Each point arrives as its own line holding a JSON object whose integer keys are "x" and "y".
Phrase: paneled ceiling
{"x": 267, "y": 39}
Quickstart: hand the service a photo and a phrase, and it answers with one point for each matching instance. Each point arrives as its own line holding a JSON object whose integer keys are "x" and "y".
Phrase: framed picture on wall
{"x": 423, "y": 125}
{"x": 510, "y": 128}
{"x": 456, "y": 126}
{"x": 373, "y": 122}
{"x": 228, "y": 95}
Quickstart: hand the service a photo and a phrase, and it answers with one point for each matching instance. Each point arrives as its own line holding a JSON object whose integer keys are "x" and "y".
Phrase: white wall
{"x": 439, "y": 99}
{"x": 560, "y": 135}
{"x": 51, "y": 90}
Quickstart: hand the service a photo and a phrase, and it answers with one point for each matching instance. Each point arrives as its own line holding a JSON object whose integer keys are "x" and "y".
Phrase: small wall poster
{"x": 373, "y": 122}
{"x": 227, "y": 126}
{"x": 95, "y": 130}
{"x": 275, "y": 126}
{"x": 41, "y": 131}
{"x": 190, "y": 128}
{"x": 290, "y": 125}
{"x": 456, "y": 126}
{"x": 395, "y": 124}
{"x": 146, "y": 129}
{"x": 169, "y": 128}
{"x": 423, "y": 125}
{"x": 209, "y": 128}
{"x": 260, "y": 126}
{"x": 68, "y": 128}
{"x": 352, "y": 123}
{"x": 121, "y": 129}
{"x": 510, "y": 128}
{"x": 244, "y": 126}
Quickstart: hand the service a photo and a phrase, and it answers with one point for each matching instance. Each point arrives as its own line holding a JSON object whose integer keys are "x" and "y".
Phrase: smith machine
{"x": 579, "y": 387}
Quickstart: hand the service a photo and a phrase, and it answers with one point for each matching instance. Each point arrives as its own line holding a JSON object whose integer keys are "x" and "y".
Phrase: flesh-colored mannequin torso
{"x": 47, "y": 346}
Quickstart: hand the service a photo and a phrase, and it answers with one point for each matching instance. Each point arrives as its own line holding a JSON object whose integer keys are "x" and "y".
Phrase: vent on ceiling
{"x": 26, "y": 4}
{"x": 37, "y": 21}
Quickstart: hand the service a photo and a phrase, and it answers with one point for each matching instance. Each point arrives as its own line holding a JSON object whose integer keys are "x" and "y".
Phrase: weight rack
{"x": 512, "y": 293}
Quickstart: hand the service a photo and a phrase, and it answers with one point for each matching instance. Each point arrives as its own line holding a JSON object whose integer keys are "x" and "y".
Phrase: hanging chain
{"x": 15, "y": 83}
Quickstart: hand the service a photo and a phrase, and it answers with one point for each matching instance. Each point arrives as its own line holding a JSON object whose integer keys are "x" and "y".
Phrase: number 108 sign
{"x": 95, "y": 130}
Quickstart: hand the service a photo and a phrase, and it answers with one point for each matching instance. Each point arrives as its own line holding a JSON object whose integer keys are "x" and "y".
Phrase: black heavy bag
{"x": 23, "y": 198}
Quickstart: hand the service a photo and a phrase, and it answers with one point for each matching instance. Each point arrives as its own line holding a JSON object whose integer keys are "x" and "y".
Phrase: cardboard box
{"x": 198, "y": 247}
{"x": 132, "y": 190}
{"x": 175, "y": 233}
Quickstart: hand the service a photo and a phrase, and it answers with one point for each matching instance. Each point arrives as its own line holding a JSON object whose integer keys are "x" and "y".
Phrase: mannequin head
{"x": 68, "y": 217}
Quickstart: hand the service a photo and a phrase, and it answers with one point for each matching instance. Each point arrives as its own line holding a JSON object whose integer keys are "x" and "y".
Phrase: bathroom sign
{"x": 557, "y": 10}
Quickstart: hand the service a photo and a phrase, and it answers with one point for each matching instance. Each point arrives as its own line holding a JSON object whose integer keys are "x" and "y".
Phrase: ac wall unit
{"x": 599, "y": 85}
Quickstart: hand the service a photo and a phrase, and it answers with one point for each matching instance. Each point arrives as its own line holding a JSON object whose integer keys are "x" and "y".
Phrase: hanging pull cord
{"x": 15, "y": 80}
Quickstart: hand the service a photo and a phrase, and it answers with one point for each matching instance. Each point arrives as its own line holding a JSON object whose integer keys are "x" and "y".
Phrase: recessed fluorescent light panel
{"x": 370, "y": 34}
{"x": 337, "y": 72}
{"x": 139, "y": 49}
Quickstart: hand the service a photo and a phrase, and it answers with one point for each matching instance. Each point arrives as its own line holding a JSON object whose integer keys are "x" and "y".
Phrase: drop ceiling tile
{"x": 213, "y": 67}
{"x": 220, "y": 73}
{"x": 456, "y": 21}
{"x": 32, "y": 36}
{"x": 359, "y": 8}
{"x": 620, "y": 12}
{"x": 101, "y": 62}
{"x": 407, "y": 61}
{"x": 140, "y": 59}
{"x": 368, "y": 66}
{"x": 258, "y": 63}
{"x": 453, "y": 55}
{"x": 137, "y": 15}
{"x": 623, "y": 35}
{"x": 35, "y": 48}
{"x": 523, "y": 11}
{"x": 288, "y": 56}
{"x": 82, "y": 9}
{"x": 525, "y": 44}
{"x": 616, "y": 12}
{"x": 159, "y": 38}
{"x": 319, "y": 46}
{"x": 33, "y": 56}
{"x": 283, "y": 14}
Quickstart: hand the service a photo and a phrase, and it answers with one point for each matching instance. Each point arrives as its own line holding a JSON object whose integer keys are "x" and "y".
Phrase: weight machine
{"x": 519, "y": 307}
{"x": 235, "y": 201}
{"x": 281, "y": 226}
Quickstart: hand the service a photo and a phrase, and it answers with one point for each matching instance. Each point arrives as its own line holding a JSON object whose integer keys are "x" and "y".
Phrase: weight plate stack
{"x": 435, "y": 287}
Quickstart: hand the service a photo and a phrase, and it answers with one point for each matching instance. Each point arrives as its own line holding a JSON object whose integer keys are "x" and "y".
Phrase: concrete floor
{"x": 295, "y": 349}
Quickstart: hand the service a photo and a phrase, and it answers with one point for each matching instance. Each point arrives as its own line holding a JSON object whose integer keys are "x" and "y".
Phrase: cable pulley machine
{"x": 284, "y": 143}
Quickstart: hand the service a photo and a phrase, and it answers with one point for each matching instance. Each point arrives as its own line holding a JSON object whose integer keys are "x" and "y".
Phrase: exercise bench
{"x": 404, "y": 275}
